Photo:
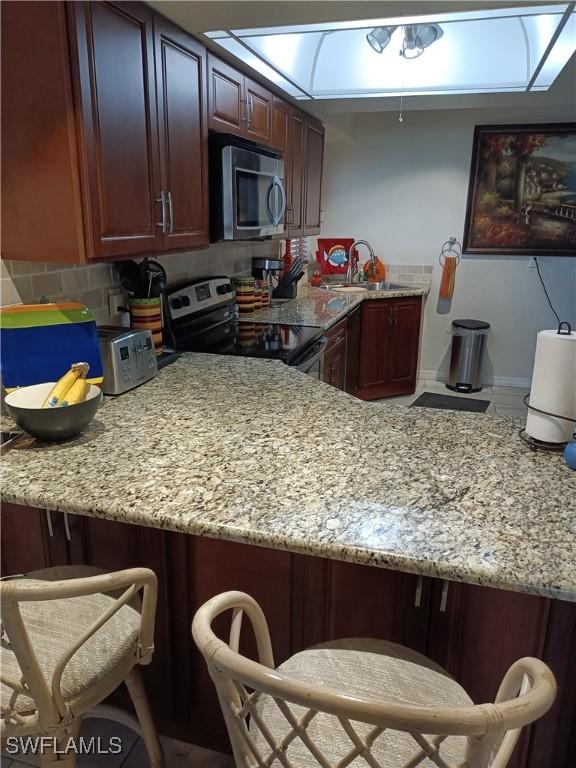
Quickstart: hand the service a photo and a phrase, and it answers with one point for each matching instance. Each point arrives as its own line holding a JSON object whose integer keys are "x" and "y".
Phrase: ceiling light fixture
{"x": 379, "y": 38}
{"x": 417, "y": 37}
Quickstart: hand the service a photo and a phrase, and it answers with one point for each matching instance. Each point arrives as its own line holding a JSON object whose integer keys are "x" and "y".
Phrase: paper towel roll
{"x": 553, "y": 387}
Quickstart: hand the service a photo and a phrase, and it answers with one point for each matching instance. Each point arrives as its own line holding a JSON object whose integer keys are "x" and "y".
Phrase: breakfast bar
{"x": 440, "y": 505}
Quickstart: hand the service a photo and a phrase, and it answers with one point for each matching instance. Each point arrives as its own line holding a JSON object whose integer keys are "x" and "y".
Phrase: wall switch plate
{"x": 117, "y": 302}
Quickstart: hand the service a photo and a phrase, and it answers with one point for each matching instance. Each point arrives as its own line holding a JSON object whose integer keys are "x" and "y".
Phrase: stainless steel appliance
{"x": 247, "y": 191}
{"x": 128, "y": 358}
{"x": 200, "y": 317}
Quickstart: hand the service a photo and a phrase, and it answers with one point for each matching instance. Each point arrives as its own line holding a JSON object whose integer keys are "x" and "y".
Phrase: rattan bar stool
{"x": 358, "y": 702}
{"x": 70, "y": 636}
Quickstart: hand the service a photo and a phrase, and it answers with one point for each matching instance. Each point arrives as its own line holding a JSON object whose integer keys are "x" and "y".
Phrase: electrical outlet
{"x": 117, "y": 302}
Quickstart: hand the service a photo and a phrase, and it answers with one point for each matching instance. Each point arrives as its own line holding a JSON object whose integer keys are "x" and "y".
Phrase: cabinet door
{"x": 183, "y": 134}
{"x": 297, "y": 165}
{"x": 335, "y": 356}
{"x": 119, "y": 126}
{"x": 353, "y": 351}
{"x": 281, "y": 124}
{"x": 404, "y": 343}
{"x": 476, "y": 633}
{"x": 363, "y": 601}
{"x": 25, "y": 542}
{"x": 259, "y": 112}
{"x": 374, "y": 349}
{"x": 225, "y": 97}
{"x": 314, "y": 144}
{"x": 41, "y": 213}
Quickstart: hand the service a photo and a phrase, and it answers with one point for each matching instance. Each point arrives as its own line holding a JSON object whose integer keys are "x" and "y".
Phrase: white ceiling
{"x": 199, "y": 16}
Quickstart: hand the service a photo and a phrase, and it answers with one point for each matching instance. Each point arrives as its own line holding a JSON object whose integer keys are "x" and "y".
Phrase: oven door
{"x": 311, "y": 360}
{"x": 253, "y": 195}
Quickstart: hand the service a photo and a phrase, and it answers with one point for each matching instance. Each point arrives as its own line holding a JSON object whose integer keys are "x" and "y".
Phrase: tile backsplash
{"x": 29, "y": 281}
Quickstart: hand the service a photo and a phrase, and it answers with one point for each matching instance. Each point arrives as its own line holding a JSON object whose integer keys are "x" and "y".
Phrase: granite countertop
{"x": 253, "y": 451}
{"x": 323, "y": 308}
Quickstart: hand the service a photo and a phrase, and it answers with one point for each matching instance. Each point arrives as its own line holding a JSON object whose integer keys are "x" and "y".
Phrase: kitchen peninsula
{"x": 243, "y": 452}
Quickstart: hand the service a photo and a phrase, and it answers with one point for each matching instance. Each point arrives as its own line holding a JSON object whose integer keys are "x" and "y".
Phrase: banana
{"x": 60, "y": 389}
{"x": 77, "y": 393}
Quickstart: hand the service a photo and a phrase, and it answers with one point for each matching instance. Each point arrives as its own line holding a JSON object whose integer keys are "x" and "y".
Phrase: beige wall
{"x": 403, "y": 187}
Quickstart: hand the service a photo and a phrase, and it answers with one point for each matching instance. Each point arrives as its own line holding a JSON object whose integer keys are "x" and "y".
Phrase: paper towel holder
{"x": 564, "y": 329}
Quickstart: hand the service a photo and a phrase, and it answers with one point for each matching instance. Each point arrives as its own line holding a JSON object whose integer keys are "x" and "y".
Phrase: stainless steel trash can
{"x": 468, "y": 341}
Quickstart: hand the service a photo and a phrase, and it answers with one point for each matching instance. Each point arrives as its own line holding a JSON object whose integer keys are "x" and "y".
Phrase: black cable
{"x": 545, "y": 291}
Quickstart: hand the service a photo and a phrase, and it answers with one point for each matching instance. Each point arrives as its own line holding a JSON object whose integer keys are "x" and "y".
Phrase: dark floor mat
{"x": 434, "y": 400}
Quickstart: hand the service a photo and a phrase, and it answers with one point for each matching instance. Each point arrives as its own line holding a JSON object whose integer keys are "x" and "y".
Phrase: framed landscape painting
{"x": 522, "y": 192}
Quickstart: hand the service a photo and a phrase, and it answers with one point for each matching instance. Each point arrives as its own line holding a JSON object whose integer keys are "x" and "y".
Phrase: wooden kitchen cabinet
{"x": 238, "y": 104}
{"x": 113, "y": 51}
{"x": 305, "y": 175}
{"x": 183, "y": 134}
{"x": 353, "y": 350}
{"x": 314, "y": 142}
{"x": 476, "y": 634}
{"x": 335, "y": 356}
{"x": 389, "y": 341}
{"x": 86, "y": 163}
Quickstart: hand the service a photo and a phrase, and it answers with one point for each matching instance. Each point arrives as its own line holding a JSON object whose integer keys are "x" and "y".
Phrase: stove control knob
{"x": 224, "y": 288}
{"x": 176, "y": 302}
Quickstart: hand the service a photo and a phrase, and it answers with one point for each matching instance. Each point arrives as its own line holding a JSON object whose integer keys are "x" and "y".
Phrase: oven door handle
{"x": 276, "y": 218}
{"x": 310, "y": 356}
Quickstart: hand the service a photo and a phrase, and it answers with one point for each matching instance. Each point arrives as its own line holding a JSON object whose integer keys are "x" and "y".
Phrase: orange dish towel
{"x": 448, "y": 277}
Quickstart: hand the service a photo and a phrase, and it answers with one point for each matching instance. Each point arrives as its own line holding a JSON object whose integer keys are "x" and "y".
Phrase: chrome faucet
{"x": 351, "y": 270}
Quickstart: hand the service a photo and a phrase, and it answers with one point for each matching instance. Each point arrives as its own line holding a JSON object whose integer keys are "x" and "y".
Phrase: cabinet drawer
{"x": 336, "y": 335}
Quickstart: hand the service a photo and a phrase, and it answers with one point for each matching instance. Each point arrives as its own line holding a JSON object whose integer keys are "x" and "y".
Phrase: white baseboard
{"x": 498, "y": 381}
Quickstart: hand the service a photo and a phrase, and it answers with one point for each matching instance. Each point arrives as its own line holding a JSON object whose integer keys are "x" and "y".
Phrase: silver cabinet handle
{"x": 244, "y": 117}
{"x": 49, "y": 523}
{"x": 162, "y": 199}
{"x": 444, "y": 596}
{"x": 67, "y": 527}
{"x": 171, "y": 210}
{"x": 249, "y": 110}
{"x": 418, "y": 595}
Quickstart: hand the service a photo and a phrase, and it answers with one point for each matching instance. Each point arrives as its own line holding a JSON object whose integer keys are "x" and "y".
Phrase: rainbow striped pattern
{"x": 39, "y": 343}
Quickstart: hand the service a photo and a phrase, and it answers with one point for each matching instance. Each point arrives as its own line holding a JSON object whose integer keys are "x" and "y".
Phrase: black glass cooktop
{"x": 267, "y": 340}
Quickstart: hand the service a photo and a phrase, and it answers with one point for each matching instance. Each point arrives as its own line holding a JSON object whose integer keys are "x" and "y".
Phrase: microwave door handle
{"x": 268, "y": 207}
{"x": 278, "y": 183}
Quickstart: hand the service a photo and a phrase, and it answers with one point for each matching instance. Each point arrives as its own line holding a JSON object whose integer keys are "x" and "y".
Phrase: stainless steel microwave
{"x": 247, "y": 191}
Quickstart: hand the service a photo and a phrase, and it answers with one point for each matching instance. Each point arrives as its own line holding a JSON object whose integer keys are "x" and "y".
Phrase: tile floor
{"x": 504, "y": 401}
{"x": 133, "y": 754}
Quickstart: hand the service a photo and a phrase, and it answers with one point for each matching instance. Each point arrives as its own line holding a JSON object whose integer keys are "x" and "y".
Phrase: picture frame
{"x": 522, "y": 191}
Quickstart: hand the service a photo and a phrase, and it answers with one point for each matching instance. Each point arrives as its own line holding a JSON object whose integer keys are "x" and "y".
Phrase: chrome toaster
{"x": 128, "y": 358}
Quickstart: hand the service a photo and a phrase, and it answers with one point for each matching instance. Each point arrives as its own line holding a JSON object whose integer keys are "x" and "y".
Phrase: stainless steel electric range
{"x": 200, "y": 317}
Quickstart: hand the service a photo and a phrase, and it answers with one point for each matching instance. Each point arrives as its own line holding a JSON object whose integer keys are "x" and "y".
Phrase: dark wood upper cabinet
{"x": 225, "y": 97}
{"x": 314, "y": 142}
{"x": 105, "y": 114}
{"x": 183, "y": 134}
{"x": 296, "y": 175}
{"x": 117, "y": 94}
{"x": 259, "y": 112}
{"x": 237, "y": 104}
{"x": 389, "y": 340}
{"x": 41, "y": 203}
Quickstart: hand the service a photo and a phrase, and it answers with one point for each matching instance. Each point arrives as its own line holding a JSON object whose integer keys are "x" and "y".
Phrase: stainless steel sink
{"x": 383, "y": 285}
